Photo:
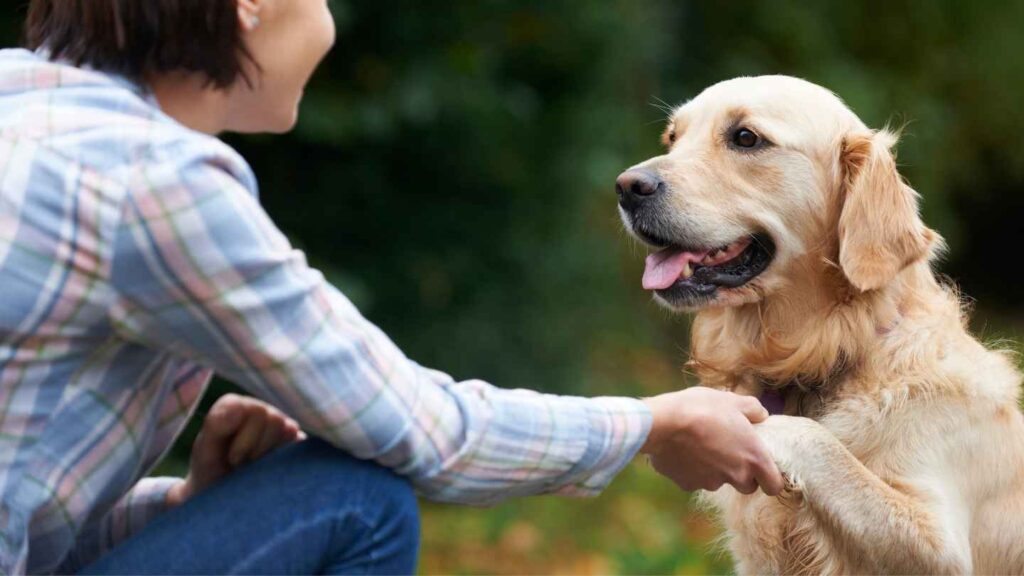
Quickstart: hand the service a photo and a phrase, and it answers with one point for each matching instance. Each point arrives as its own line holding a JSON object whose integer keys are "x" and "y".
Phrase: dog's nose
{"x": 637, "y": 185}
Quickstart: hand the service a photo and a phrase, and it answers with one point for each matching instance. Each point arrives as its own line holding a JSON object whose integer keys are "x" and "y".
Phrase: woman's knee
{"x": 374, "y": 496}
{"x": 398, "y": 523}
{"x": 324, "y": 471}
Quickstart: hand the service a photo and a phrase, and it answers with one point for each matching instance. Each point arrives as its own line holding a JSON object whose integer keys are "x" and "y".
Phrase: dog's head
{"x": 766, "y": 179}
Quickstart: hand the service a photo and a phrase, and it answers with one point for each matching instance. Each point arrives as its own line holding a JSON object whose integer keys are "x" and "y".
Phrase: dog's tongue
{"x": 665, "y": 266}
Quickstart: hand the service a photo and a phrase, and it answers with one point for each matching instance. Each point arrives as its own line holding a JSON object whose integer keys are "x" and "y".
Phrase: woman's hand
{"x": 237, "y": 430}
{"x": 703, "y": 438}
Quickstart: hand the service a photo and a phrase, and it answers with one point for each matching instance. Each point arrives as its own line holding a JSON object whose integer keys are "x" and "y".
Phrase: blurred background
{"x": 453, "y": 173}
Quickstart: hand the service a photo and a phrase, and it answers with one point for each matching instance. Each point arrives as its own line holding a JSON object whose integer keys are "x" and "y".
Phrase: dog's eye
{"x": 668, "y": 138}
{"x": 745, "y": 138}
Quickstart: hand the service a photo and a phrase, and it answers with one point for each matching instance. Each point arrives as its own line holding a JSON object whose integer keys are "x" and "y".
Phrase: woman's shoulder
{"x": 102, "y": 121}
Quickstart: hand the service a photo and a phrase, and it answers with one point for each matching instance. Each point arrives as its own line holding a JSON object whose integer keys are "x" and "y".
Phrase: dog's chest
{"x": 780, "y": 534}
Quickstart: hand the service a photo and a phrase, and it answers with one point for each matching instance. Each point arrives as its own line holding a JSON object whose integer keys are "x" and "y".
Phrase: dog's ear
{"x": 880, "y": 230}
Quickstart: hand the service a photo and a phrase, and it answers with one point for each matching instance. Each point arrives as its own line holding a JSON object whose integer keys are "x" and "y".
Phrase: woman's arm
{"x": 202, "y": 272}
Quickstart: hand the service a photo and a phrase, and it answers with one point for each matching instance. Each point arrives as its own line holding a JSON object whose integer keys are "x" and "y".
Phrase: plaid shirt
{"x": 135, "y": 260}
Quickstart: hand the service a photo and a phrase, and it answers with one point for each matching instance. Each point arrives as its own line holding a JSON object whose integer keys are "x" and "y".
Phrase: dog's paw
{"x": 791, "y": 441}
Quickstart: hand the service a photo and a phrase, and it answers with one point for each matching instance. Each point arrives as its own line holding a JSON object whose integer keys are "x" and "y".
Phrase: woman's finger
{"x": 248, "y": 437}
{"x": 225, "y": 417}
{"x": 294, "y": 432}
{"x": 767, "y": 473}
{"x": 752, "y": 409}
{"x": 274, "y": 434}
{"x": 219, "y": 427}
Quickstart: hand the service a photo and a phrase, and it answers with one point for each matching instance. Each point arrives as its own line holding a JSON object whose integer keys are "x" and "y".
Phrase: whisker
{"x": 662, "y": 105}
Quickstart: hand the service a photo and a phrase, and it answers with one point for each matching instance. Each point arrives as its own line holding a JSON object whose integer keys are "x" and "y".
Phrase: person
{"x": 135, "y": 261}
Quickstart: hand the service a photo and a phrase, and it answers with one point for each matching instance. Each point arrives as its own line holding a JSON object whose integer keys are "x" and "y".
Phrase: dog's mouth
{"x": 679, "y": 274}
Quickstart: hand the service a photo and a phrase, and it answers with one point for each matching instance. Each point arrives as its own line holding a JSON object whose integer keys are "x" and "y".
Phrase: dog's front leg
{"x": 899, "y": 530}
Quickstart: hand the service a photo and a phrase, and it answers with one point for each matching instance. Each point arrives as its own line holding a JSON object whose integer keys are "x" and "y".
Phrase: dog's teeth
{"x": 687, "y": 272}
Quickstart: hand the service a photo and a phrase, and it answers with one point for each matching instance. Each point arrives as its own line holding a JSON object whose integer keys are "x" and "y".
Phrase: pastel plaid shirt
{"x": 135, "y": 260}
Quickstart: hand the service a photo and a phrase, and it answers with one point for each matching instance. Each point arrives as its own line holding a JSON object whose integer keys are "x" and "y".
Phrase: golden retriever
{"x": 781, "y": 219}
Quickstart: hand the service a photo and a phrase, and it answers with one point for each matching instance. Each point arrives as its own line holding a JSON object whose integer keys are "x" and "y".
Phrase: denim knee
{"x": 340, "y": 481}
{"x": 401, "y": 523}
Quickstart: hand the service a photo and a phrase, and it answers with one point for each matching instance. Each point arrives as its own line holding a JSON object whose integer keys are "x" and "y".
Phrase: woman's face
{"x": 287, "y": 39}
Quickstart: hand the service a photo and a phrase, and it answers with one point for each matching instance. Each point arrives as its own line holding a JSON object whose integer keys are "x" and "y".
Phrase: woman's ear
{"x": 249, "y": 14}
{"x": 880, "y": 230}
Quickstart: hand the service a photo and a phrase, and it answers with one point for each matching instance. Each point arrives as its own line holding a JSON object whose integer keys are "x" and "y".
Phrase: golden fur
{"x": 908, "y": 453}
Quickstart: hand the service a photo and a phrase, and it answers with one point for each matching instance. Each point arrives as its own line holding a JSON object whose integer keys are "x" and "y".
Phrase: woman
{"x": 135, "y": 261}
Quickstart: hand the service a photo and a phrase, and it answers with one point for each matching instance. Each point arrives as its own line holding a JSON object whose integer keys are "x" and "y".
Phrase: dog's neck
{"x": 810, "y": 338}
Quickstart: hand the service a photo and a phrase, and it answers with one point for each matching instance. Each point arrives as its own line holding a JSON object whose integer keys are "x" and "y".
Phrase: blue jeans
{"x": 307, "y": 508}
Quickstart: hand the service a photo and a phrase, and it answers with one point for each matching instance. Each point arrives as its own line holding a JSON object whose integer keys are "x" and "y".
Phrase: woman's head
{"x": 257, "y": 55}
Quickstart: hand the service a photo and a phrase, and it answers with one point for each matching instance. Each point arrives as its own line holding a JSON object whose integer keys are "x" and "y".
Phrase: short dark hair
{"x": 139, "y": 37}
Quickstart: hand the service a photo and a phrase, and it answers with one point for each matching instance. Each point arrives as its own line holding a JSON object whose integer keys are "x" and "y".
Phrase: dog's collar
{"x": 773, "y": 400}
{"x": 774, "y": 393}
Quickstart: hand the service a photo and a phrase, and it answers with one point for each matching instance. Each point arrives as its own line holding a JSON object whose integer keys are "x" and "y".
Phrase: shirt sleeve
{"x": 201, "y": 271}
{"x": 144, "y": 502}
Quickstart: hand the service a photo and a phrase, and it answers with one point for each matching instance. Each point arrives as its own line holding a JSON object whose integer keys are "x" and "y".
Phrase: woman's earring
{"x": 254, "y": 21}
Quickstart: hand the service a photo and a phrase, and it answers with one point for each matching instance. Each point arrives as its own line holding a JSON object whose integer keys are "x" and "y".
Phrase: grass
{"x": 641, "y": 525}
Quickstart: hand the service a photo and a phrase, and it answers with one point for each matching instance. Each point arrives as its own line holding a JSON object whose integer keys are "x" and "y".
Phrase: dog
{"x": 781, "y": 219}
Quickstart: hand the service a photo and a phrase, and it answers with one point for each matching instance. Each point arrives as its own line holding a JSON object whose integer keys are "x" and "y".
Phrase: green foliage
{"x": 455, "y": 168}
